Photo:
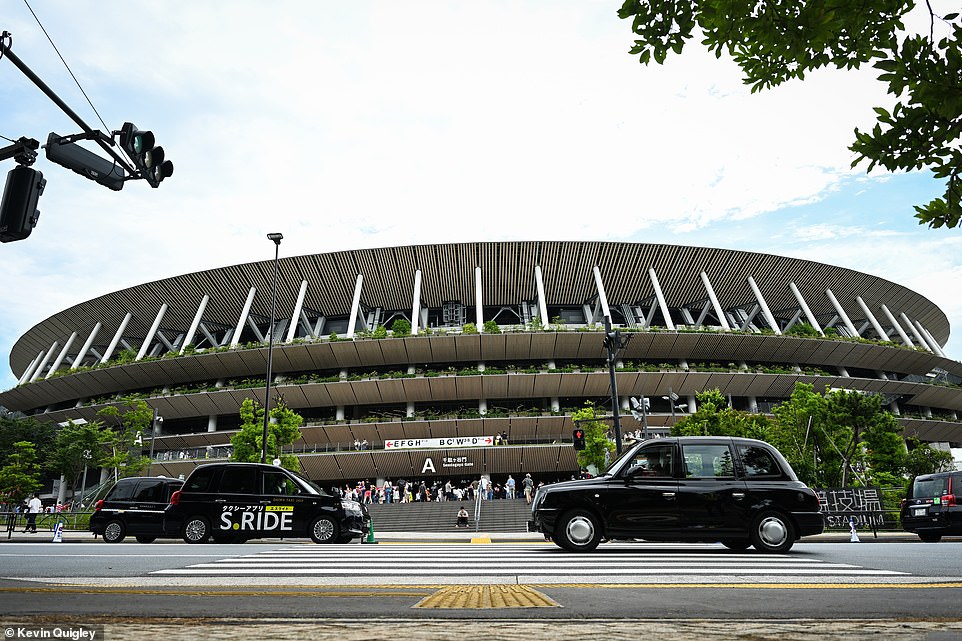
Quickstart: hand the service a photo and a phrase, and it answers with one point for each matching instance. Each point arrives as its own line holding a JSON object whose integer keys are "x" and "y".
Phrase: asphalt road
{"x": 908, "y": 590}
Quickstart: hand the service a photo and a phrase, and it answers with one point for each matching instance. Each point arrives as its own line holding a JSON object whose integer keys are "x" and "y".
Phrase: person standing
{"x": 33, "y": 509}
{"x": 528, "y": 485}
{"x": 509, "y": 487}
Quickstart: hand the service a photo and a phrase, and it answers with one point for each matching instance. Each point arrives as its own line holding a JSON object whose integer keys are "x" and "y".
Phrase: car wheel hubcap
{"x": 112, "y": 532}
{"x": 772, "y": 531}
{"x": 580, "y": 530}
{"x": 195, "y": 530}
{"x": 323, "y": 529}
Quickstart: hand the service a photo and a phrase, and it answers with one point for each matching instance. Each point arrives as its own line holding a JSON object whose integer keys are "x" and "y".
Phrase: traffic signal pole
{"x": 614, "y": 342}
{"x": 101, "y": 139}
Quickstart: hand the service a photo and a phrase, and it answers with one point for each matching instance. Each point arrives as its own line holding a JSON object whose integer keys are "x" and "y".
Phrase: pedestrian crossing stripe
{"x": 521, "y": 561}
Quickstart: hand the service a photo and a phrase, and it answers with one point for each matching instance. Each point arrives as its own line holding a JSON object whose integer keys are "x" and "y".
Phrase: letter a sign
{"x": 428, "y": 466}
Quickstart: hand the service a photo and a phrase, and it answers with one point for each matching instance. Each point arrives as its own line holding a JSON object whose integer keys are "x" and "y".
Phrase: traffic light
{"x": 84, "y": 162}
{"x": 146, "y": 155}
{"x": 18, "y": 209}
{"x": 578, "y": 439}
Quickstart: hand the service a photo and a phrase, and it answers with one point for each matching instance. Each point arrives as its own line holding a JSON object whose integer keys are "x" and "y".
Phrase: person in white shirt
{"x": 33, "y": 509}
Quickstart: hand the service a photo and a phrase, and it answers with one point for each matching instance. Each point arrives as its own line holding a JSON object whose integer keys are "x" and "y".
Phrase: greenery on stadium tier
{"x": 799, "y": 330}
{"x": 774, "y": 42}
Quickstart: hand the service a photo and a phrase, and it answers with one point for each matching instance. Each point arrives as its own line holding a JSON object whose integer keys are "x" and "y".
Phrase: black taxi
{"x": 134, "y": 506}
{"x": 736, "y": 491}
{"x": 235, "y": 502}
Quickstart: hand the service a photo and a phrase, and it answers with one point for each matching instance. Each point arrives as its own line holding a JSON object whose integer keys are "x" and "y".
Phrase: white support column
{"x": 245, "y": 312}
{"x": 46, "y": 359}
{"x": 116, "y": 339}
{"x": 932, "y": 342}
{"x": 27, "y": 373}
{"x": 355, "y": 306}
{"x": 82, "y": 354}
{"x": 661, "y": 298}
{"x": 602, "y": 297}
{"x": 877, "y": 326}
{"x": 189, "y": 337}
{"x": 841, "y": 312}
{"x": 298, "y": 306}
{"x": 153, "y": 330}
{"x": 897, "y": 327}
{"x": 416, "y": 303}
{"x": 542, "y": 305}
{"x": 62, "y": 355}
{"x": 915, "y": 332}
{"x": 478, "y": 300}
{"x": 767, "y": 313}
{"x": 714, "y": 301}
{"x": 805, "y": 308}
{"x": 212, "y": 423}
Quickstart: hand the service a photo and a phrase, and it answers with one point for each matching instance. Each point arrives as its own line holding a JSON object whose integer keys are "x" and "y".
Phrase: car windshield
{"x": 620, "y": 462}
{"x": 314, "y": 488}
{"x": 930, "y": 487}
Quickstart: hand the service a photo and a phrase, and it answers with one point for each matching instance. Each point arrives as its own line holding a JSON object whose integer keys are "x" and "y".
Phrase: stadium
{"x": 506, "y": 340}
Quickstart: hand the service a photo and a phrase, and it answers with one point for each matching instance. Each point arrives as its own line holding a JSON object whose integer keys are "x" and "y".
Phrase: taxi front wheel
{"x": 578, "y": 531}
{"x": 324, "y": 530}
{"x": 196, "y": 530}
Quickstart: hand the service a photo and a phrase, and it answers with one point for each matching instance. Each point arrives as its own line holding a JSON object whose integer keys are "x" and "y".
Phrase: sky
{"x": 348, "y": 125}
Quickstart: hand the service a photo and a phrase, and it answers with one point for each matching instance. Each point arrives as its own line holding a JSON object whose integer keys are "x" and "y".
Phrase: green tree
{"x": 775, "y": 41}
{"x": 491, "y": 327}
{"x": 715, "y": 418}
{"x": 283, "y": 429}
{"x": 129, "y": 425}
{"x": 78, "y": 446}
{"x": 14, "y": 429}
{"x": 401, "y": 328}
{"x": 598, "y": 447}
{"x": 20, "y": 477}
{"x": 922, "y": 458}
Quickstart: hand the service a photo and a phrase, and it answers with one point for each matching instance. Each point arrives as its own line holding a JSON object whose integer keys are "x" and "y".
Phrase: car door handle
{"x": 738, "y": 495}
{"x": 220, "y": 500}
{"x": 668, "y": 495}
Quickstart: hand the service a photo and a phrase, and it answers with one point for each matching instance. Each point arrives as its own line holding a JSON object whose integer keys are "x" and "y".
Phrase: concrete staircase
{"x": 496, "y": 516}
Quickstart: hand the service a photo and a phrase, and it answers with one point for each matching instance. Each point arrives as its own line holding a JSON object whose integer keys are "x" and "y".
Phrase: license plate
{"x": 919, "y": 511}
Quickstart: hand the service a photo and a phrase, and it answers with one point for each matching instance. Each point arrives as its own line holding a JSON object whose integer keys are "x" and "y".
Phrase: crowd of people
{"x": 403, "y": 491}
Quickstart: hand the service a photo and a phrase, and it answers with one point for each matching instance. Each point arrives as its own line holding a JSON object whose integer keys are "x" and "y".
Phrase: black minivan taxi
{"x": 736, "y": 491}
{"x": 134, "y": 505}
{"x": 932, "y": 507}
{"x": 236, "y": 502}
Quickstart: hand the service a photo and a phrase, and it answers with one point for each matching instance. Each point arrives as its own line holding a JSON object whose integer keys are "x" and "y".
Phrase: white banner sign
{"x": 456, "y": 441}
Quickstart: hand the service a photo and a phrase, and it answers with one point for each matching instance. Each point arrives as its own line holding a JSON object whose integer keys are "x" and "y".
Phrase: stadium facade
{"x": 424, "y": 405}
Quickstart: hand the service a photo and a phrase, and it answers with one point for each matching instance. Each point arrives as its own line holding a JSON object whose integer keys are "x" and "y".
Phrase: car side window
{"x": 239, "y": 480}
{"x": 654, "y": 462}
{"x": 758, "y": 462}
{"x": 278, "y": 483}
{"x": 123, "y": 491}
{"x": 150, "y": 491}
{"x": 200, "y": 480}
{"x": 708, "y": 461}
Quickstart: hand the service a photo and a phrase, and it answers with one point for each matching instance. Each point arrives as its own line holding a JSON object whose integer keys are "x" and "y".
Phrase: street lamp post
{"x": 276, "y": 239}
{"x": 154, "y": 428}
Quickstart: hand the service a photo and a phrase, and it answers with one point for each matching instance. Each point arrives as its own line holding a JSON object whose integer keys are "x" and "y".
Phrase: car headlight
{"x": 352, "y": 507}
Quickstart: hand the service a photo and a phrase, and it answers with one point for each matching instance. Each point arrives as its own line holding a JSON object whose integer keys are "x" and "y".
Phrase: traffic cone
{"x": 854, "y": 539}
{"x": 58, "y": 532}
{"x": 370, "y": 534}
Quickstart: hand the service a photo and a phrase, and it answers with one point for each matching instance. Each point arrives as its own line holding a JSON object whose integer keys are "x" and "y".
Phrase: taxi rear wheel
{"x": 196, "y": 530}
{"x": 114, "y": 532}
{"x": 324, "y": 530}
{"x": 578, "y": 531}
{"x": 772, "y": 533}
{"x": 930, "y": 538}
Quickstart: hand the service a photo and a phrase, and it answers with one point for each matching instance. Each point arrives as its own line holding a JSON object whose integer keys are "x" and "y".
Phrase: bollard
{"x": 851, "y": 523}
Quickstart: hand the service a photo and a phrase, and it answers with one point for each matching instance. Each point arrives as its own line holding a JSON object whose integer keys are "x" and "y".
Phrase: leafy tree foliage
{"x": 20, "y": 477}
{"x": 922, "y": 458}
{"x": 283, "y": 429}
{"x": 715, "y": 418}
{"x": 77, "y": 446}
{"x": 15, "y": 429}
{"x": 778, "y": 40}
{"x": 132, "y": 423}
{"x": 598, "y": 447}
{"x": 401, "y": 327}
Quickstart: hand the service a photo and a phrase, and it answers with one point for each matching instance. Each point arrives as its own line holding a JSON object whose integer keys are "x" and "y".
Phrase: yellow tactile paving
{"x": 486, "y": 596}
